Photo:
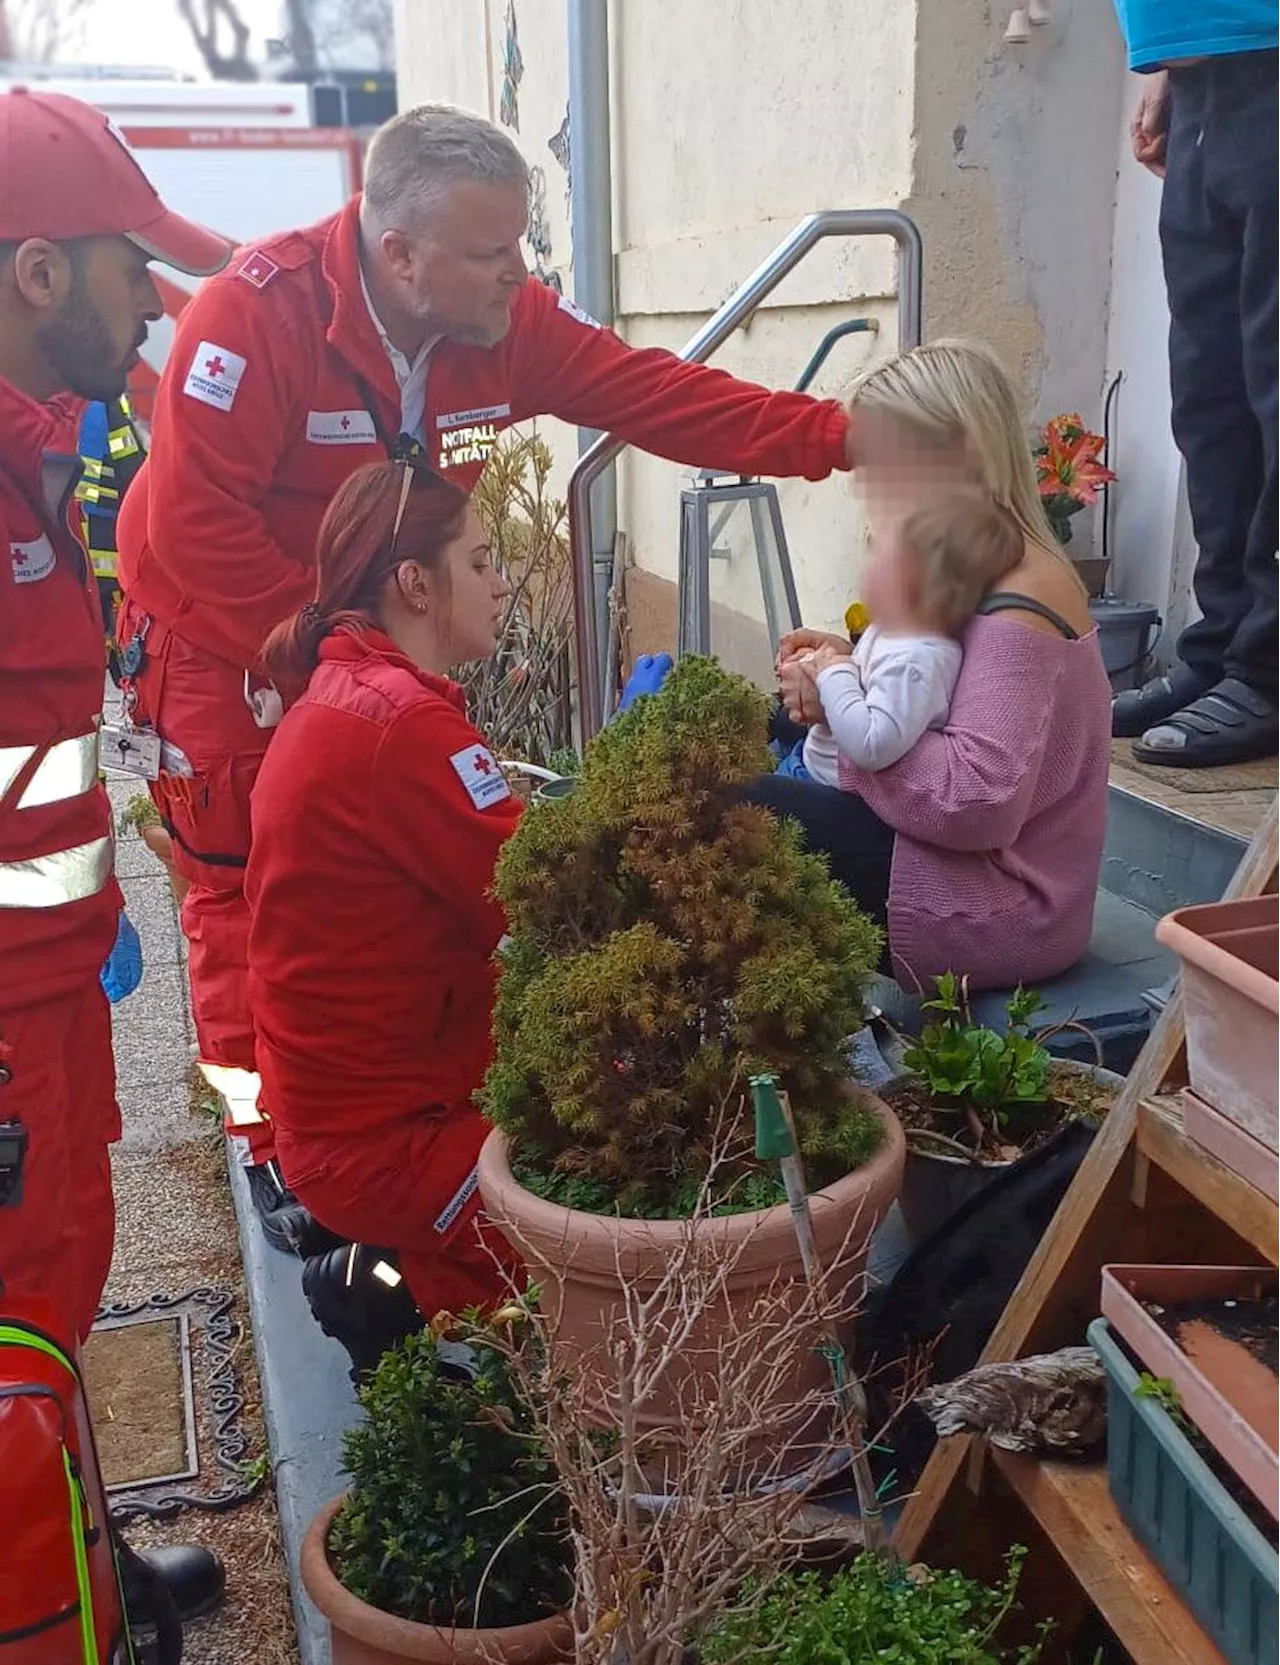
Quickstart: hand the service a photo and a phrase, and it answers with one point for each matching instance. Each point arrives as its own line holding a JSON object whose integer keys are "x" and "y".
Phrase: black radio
{"x": 13, "y": 1156}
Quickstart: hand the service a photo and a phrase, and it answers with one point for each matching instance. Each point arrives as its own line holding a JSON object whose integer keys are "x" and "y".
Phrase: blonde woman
{"x": 980, "y": 848}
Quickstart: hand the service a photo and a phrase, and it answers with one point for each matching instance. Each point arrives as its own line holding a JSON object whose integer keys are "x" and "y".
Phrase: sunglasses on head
{"x": 411, "y": 453}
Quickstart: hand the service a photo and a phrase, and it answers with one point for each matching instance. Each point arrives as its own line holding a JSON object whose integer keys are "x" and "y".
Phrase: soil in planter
{"x": 1233, "y": 1343}
{"x": 1231, "y": 1483}
{"x": 1075, "y": 1095}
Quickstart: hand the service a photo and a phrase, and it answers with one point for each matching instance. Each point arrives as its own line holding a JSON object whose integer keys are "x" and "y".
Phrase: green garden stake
{"x": 776, "y": 1142}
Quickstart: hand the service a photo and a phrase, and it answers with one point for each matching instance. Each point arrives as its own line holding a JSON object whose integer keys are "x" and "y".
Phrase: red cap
{"x": 66, "y": 171}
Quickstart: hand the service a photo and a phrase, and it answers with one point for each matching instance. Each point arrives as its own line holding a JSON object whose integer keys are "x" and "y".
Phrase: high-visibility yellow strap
{"x": 53, "y": 880}
{"x": 88, "y": 1630}
{"x": 66, "y": 770}
{"x": 122, "y": 443}
{"x": 104, "y": 562}
{"x": 15, "y": 1335}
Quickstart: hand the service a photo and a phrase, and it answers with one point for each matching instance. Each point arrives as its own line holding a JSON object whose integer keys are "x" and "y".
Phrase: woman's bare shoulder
{"x": 1051, "y": 580}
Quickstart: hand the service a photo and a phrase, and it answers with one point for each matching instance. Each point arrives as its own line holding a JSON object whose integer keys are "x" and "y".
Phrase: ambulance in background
{"x": 244, "y": 159}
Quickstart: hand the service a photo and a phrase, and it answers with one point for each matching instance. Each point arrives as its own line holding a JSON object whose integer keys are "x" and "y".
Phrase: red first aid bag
{"x": 60, "y": 1601}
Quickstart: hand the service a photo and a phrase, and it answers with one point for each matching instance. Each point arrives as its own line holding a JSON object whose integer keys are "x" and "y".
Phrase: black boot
{"x": 286, "y": 1224}
{"x": 165, "y": 1587}
{"x": 358, "y": 1299}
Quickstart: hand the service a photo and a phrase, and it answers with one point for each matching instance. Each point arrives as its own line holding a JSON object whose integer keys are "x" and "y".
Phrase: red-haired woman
{"x": 377, "y": 818}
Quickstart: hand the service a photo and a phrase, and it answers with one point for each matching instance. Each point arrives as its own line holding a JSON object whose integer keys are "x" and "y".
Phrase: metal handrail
{"x": 830, "y": 222}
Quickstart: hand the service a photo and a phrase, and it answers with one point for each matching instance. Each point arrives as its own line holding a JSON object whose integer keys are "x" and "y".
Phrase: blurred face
{"x": 92, "y": 302}
{"x": 461, "y": 274}
{"x": 899, "y": 469}
{"x": 888, "y": 587}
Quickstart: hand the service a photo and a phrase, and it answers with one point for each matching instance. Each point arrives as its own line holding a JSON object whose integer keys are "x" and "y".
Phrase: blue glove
{"x": 123, "y": 970}
{"x": 793, "y": 763}
{"x": 648, "y": 674}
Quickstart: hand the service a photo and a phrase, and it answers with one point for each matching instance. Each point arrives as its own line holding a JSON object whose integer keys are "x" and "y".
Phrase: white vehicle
{"x": 240, "y": 159}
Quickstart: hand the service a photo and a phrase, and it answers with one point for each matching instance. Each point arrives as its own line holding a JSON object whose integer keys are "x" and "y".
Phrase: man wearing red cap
{"x": 79, "y": 223}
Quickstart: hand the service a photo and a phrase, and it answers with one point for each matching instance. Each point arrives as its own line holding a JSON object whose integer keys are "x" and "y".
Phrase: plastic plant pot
{"x": 1204, "y": 1543}
{"x": 1232, "y": 1398}
{"x": 1230, "y": 954}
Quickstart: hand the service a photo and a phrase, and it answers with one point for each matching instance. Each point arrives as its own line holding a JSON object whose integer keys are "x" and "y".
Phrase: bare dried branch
{"x": 690, "y": 1438}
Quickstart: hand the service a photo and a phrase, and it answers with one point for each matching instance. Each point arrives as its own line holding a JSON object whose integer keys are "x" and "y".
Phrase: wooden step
{"x": 1072, "y": 1503}
{"x": 1162, "y": 1139}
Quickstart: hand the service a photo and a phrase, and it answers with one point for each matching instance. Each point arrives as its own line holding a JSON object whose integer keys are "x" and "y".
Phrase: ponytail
{"x": 292, "y": 650}
{"x": 357, "y": 550}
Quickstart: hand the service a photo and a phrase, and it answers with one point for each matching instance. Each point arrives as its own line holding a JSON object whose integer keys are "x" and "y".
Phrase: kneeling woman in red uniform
{"x": 377, "y": 819}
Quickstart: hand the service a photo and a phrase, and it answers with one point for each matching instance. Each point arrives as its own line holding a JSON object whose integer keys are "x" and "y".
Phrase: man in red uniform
{"x": 409, "y": 313}
{"x": 79, "y": 223}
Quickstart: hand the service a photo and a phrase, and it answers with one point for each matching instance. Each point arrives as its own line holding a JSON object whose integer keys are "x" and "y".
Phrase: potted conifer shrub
{"x": 666, "y": 941}
{"x": 452, "y": 1543}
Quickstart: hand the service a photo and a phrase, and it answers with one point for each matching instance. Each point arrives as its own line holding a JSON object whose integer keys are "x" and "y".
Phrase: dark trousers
{"x": 856, "y": 842}
{"x": 1218, "y": 235}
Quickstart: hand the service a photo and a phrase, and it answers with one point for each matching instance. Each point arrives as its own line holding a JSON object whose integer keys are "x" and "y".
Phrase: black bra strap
{"x": 1009, "y": 601}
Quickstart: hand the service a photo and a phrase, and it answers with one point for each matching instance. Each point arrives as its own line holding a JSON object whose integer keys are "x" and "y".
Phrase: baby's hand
{"x": 821, "y": 658}
{"x": 797, "y": 690}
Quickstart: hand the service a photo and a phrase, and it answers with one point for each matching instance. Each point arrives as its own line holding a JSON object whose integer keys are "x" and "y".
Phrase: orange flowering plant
{"x": 1069, "y": 470}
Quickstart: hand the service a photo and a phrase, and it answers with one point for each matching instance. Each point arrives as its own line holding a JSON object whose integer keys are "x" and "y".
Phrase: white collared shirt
{"x": 411, "y": 378}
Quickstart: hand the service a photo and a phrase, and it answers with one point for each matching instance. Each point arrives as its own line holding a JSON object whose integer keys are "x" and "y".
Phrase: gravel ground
{"x": 175, "y": 1231}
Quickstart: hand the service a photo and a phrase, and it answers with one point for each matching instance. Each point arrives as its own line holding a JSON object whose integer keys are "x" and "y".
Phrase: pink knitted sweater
{"x": 1000, "y": 816}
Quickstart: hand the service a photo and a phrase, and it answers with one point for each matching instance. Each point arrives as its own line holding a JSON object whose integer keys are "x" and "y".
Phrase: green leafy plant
{"x": 138, "y": 813}
{"x": 967, "y": 1066}
{"x": 1164, "y": 1393}
{"x": 666, "y": 940}
{"x": 872, "y": 1611}
{"x": 453, "y": 1516}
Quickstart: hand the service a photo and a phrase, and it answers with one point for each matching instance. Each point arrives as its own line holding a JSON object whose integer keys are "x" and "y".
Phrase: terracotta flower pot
{"x": 158, "y": 841}
{"x": 1228, "y": 1394}
{"x": 363, "y": 1635}
{"x": 581, "y": 1258}
{"x": 935, "y": 1184}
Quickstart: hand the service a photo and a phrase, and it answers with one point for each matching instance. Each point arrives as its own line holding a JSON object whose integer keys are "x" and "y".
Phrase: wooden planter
{"x": 1228, "y": 1395}
{"x": 935, "y": 1184}
{"x": 363, "y": 1635}
{"x": 581, "y": 1259}
{"x": 1230, "y": 954}
{"x": 1204, "y": 1543}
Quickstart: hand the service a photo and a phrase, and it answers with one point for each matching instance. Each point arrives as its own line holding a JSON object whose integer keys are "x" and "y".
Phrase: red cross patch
{"x": 477, "y": 769}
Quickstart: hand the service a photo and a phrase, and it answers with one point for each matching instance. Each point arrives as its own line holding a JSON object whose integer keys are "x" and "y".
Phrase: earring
{"x": 420, "y": 607}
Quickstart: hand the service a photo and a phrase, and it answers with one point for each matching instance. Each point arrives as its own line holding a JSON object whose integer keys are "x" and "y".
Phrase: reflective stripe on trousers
{"x": 66, "y": 770}
{"x": 65, "y": 876}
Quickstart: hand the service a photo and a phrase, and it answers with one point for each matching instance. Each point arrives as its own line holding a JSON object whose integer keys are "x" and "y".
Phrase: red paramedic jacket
{"x": 269, "y": 401}
{"x": 378, "y": 815}
{"x": 56, "y": 830}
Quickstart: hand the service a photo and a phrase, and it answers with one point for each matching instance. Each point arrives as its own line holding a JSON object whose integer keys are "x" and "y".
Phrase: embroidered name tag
{"x": 32, "y": 561}
{"x": 477, "y": 769}
{"x": 461, "y": 1197}
{"x": 468, "y": 418}
{"x": 214, "y": 376}
{"x": 340, "y": 427}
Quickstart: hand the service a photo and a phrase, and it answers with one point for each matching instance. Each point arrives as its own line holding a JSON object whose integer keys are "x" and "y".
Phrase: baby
{"x": 923, "y": 585}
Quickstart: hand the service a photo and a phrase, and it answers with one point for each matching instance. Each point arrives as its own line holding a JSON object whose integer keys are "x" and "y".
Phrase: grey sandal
{"x": 1232, "y": 723}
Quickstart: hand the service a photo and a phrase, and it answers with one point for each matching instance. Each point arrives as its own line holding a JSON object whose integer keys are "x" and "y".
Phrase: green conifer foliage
{"x": 665, "y": 942}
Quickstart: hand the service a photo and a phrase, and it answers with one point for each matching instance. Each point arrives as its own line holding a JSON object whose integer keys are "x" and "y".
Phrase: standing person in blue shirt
{"x": 1206, "y": 124}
